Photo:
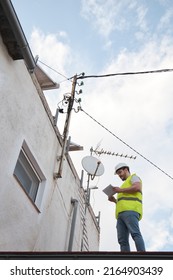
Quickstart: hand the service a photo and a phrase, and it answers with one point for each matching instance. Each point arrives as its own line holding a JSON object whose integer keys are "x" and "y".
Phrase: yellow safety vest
{"x": 127, "y": 201}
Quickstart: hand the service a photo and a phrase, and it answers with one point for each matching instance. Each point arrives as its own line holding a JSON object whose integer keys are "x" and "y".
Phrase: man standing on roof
{"x": 128, "y": 208}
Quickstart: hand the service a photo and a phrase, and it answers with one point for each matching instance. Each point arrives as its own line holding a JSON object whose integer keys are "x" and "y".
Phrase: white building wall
{"x": 23, "y": 117}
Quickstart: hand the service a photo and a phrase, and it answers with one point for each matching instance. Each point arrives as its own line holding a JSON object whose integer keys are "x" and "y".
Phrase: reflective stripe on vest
{"x": 129, "y": 202}
{"x": 129, "y": 198}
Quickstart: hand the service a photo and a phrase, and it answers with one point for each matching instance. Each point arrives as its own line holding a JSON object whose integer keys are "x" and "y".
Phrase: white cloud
{"x": 108, "y": 45}
{"x": 50, "y": 48}
{"x": 141, "y": 18}
{"x": 157, "y": 234}
{"x": 57, "y": 55}
{"x": 108, "y": 16}
{"x": 63, "y": 34}
{"x": 103, "y": 15}
{"x": 166, "y": 20}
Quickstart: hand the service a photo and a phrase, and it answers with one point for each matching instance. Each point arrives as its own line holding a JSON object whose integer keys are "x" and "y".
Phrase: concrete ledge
{"x": 86, "y": 255}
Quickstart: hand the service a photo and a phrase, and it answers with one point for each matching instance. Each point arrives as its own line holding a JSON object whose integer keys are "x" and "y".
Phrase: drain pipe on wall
{"x": 73, "y": 223}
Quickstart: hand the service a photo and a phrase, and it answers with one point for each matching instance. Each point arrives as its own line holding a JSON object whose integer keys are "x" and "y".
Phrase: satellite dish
{"x": 93, "y": 166}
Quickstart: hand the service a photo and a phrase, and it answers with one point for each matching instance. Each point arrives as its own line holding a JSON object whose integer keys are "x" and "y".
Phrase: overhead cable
{"x": 125, "y": 73}
{"x": 82, "y": 75}
{"x": 149, "y": 161}
{"x": 66, "y": 79}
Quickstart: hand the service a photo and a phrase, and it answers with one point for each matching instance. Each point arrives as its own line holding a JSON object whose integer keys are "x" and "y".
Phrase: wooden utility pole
{"x": 66, "y": 128}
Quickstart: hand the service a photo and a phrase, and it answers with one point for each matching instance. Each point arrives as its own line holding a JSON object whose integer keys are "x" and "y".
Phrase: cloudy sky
{"x": 134, "y": 111}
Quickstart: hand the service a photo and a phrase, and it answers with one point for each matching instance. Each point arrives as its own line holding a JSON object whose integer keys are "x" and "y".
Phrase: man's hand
{"x": 136, "y": 187}
{"x": 112, "y": 199}
{"x": 117, "y": 190}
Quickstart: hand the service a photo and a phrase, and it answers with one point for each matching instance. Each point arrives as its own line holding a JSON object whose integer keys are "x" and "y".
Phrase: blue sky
{"x": 98, "y": 29}
{"x": 100, "y": 37}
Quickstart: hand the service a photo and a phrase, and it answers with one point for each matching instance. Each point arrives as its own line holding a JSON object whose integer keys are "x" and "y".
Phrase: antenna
{"x": 110, "y": 153}
{"x": 93, "y": 166}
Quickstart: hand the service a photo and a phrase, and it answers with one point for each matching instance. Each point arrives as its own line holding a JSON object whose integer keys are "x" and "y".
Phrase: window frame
{"x": 33, "y": 171}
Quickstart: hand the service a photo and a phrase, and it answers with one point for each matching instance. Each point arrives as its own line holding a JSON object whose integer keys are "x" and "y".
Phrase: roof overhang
{"x": 13, "y": 35}
{"x": 44, "y": 80}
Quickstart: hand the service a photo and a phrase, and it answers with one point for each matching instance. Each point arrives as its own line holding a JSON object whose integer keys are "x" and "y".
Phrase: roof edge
{"x": 19, "y": 35}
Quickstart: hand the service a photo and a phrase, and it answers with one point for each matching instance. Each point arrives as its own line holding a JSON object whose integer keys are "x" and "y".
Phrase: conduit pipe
{"x": 19, "y": 34}
{"x": 73, "y": 223}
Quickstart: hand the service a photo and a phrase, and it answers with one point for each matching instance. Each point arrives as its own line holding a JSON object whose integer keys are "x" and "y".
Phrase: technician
{"x": 128, "y": 208}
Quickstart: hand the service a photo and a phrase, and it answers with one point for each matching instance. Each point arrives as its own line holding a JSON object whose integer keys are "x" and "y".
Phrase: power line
{"x": 82, "y": 75}
{"x": 149, "y": 161}
{"x": 125, "y": 73}
{"x": 66, "y": 79}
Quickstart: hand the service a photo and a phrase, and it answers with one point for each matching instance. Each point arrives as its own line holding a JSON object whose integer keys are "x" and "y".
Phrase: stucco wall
{"x": 23, "y": 117}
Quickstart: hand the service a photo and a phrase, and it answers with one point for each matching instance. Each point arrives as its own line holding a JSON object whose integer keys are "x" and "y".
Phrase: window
{"x": 28, "y": 173}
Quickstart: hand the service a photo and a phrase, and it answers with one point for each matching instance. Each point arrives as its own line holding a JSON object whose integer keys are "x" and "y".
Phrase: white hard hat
{"x": 119, "y": 166}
